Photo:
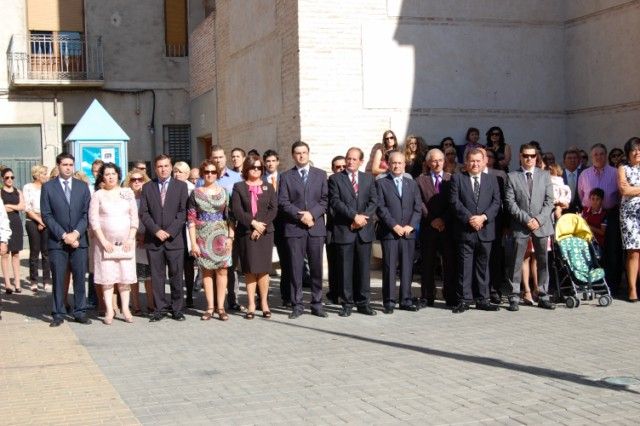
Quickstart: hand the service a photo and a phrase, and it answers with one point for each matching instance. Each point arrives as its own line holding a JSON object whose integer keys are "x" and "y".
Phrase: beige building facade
{"x": 62, "y": 54}
{"x": 337, "y": 73}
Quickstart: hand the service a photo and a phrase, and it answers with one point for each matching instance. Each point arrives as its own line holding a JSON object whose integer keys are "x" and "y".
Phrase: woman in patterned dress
{"x": 629, "y": 184}
{"x": 211, "y": 235}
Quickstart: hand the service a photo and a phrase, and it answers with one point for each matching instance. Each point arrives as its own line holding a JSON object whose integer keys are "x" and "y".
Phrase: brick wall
{"x": 202, "y": 58}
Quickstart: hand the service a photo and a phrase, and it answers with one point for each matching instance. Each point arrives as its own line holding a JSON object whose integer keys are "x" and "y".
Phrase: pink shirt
{"x": 607, "y": 180}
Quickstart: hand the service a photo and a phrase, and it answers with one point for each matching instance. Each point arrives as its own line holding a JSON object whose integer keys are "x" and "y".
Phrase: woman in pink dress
{"x": 113, "y": 216}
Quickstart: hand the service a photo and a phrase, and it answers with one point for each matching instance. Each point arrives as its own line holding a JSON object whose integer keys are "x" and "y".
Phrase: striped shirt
{"x": 607, "y": 180}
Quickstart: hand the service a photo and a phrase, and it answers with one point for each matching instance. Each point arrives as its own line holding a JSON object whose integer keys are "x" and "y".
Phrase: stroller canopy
{"x": 573, "y": 225}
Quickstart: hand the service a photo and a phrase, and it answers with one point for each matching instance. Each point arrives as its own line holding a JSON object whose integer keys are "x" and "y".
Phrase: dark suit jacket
{"x": 241, "y": 207}
{"x": 345, "y": 205}
{"x": 62, "y": 217}
{"x": 464, "y": 206}
{"x": 434, "y": 205}
{"x": 575, "y": 206}
{"x": 395, "y": 210}
{"x": 170, "y": 218}
{"x": 294, "y": 196}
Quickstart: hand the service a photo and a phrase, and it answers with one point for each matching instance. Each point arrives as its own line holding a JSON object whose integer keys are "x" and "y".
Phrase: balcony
{"x": 55, "y": 60}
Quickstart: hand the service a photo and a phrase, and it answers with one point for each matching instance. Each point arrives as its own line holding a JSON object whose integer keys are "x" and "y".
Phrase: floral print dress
{"x": 630, "y": 211}
{"x": 208, "y": 212}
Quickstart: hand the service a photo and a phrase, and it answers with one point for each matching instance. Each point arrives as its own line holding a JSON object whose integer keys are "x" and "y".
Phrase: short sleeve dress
{"x": 114, "y": 212}
{"x": 630, "y": 211}
{"x": 207, "y": 211}
{"x": 15, "y": 223}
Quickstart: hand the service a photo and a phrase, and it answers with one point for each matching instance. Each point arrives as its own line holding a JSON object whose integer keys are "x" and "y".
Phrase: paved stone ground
{"x": 429, "y": 367}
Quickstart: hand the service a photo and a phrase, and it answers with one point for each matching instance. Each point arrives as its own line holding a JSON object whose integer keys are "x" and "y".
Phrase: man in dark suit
{"x": 570, "y": 175}
{"x": 163, "y": 212}
{"x": 436, "y": 236}
{"x": 399, "y": 209}
{"x": 338, "y": 164}
{"x": 302, "y": 202}
{"x": 64, "y": 204}
{"x": 475, "y": 202}
{"x": 353, "y": 201}
{"x": 529, "y": 201}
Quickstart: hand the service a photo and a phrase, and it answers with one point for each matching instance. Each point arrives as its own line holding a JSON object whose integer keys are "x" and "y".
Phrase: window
{"x": 41, "y": 42}
{"x": 177, "y": 142}
{"x": 175, "y": 19}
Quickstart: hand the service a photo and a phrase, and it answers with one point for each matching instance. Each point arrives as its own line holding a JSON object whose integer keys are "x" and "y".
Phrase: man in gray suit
{"x": 529, "y": 201}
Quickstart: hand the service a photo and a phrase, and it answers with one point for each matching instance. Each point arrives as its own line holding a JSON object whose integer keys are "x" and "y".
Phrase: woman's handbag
{"x": 118, "y": 252}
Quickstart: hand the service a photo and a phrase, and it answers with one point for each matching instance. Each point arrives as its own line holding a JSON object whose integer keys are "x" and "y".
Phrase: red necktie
{"x": 354, "y": 183}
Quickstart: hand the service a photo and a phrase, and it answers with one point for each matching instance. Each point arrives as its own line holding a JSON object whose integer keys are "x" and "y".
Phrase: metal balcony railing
{"x": 46, "y": 59}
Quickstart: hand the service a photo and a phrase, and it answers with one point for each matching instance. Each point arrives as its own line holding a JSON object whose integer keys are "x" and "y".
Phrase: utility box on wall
{"x": 98, "y": 136}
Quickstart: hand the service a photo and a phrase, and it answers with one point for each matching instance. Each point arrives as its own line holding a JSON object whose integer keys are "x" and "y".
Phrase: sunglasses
{"x": 209, "y": 172}
{"x": 8, "y": 178}
{"x": 390, "y": 138}
{"x": 136, "y": 179}
{"x": 529, "y": 155}
{"x": 339, "y": 167}
{"x": 256, "y": 168}
{"x": 495, "y": 134}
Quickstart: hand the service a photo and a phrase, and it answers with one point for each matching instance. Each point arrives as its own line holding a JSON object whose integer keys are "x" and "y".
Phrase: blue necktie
{"x": 67, "y": 191}
{"x": 303, "y": 173}
{"x": 399, "y": 185}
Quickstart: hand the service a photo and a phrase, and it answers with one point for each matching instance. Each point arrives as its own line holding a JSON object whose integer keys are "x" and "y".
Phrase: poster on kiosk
{"x": 97, "y": 136}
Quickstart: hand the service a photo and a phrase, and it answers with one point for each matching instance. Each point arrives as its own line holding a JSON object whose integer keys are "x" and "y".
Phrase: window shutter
{"x": 175, "y": 16}
{"x": 55, "y": 15}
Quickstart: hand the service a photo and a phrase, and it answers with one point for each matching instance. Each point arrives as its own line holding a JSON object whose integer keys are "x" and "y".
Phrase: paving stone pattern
{"x": 429, "y": 367}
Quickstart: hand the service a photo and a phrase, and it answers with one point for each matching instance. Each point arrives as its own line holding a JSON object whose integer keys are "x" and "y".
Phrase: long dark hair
{"x": 100, "y": 177}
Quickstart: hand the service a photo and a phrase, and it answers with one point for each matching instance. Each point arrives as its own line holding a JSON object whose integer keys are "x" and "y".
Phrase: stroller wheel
{"x": 571, "y": 302}
{"x": 605, "y": 300}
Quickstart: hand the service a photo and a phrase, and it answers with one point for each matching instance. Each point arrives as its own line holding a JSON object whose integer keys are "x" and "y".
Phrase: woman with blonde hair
{"x": 413, "y": 155}
{"x": 37, "y": 231}
{"x": 134, "y": 180}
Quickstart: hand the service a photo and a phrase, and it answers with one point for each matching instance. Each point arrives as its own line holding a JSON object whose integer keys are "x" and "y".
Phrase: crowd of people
{"x": 453, "y": 210}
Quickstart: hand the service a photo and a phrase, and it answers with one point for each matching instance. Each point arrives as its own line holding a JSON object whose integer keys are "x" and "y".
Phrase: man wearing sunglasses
{"x": 529, "y": 201}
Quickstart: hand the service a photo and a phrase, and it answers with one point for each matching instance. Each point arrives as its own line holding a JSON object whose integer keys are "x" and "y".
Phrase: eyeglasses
{"x": 8, "y": 178}
{"x": 256, "y": 168}
{"x": 529, "y": 155}
{"x": 134, "y": 179}
{"x": 209, "y": 172}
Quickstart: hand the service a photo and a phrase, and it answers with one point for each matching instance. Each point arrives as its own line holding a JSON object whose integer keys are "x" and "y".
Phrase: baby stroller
{"x": 578, "y": 271}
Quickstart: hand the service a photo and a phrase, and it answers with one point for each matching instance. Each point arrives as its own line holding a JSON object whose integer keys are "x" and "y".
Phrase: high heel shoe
{"x": 528, "y": 301}
{"x": 222, "y": 315}
{"x": 108, "y": 319}
{"x": 128, "y": 318}
{"x": 207, "y": 315}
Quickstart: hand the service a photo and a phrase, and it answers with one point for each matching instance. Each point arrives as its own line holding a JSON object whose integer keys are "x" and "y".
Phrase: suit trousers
{"x": 189, "y": 274}
{"x": 514, "y": 270}
{"x": 353, "y": 265}
{"x": 312, "y": 248}
{"x": 285, "y": 269}
{"x": 37, "y": 247}
{"x": 397, "y": 252}
{"x": 233, "y": 284}
{"x": 334, "y": 262}
{"x": 60, "y": 260}
{"x": 473, "y": 269}
{"x": 433, "y": 242}
{"x": 613, "y": 256}
{"x": 159, "y": 259}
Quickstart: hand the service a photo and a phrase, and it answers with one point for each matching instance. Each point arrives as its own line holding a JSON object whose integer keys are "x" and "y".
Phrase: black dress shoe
{"x": 179, "y": 316}
{"x": 189, "y": 303}
{"x": 156, "y": 317}
{"x": 345, "y": 311}
{"x": 332, "y": 300}
{"x": 295, "y": 314}
{"x": 287, "y": 304}
{"x": 513, "y": 306}
{"x": 410, "y": 308}
{"x": 545, "y": 304}
{"x": 495, "y": 299}
{"x": 486, "y": 306}
{"x": 319, "y": 313}
{"x": 82, "y": 320}
{"x": 238, "y": 308}
{"x": 56, "y": 322}
{"x": 460, "y": 308}
{"x": 366, "y": 310}
{"x": 388, "y": 309}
